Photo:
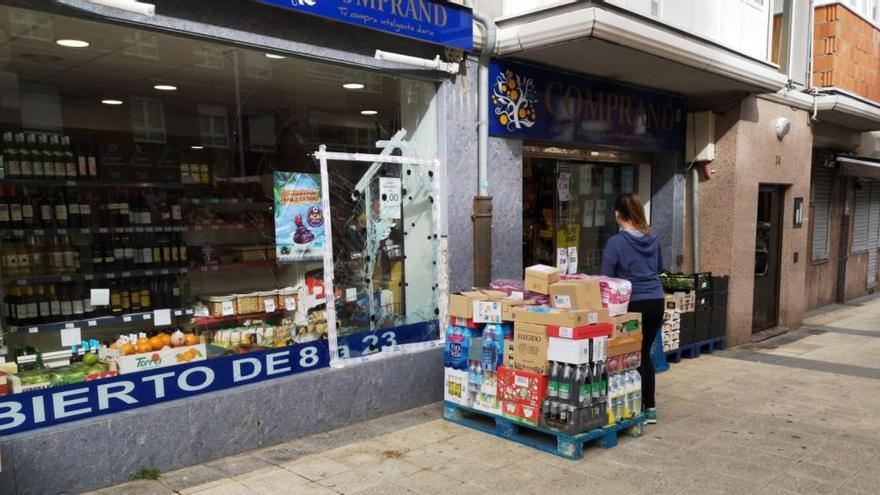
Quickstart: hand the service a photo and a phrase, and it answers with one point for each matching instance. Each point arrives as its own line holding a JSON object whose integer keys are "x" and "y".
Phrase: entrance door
{"x": 768, "y": 248}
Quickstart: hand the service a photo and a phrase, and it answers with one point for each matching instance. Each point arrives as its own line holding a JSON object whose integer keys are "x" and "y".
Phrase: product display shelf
{"x": 100, "y": 321}
{"x": 554, "y": 442}
{"x": 222, "y": 267}
{"x": 211, "y": 320}
{"x": 91, "y": 230}
{"x": 77, "y": 277}
{"x": 104, "y": 184}
{"x": 225, "y": 226}
{"x": 693, "y": 351}
{"x": 227, "y": 201}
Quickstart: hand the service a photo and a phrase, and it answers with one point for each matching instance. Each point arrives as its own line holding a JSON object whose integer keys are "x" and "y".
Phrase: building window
{"x": 213, "y": 126}
{"x": 141, "y": 45}
{"x": 821, "y": 203}
{"x": 148, "y": 120}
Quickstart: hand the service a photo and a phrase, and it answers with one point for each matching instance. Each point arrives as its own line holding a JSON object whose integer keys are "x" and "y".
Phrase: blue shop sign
{"x": 427, "y": 20}
{"x": 536, "y": 103}
{"x": 50, "y": 406}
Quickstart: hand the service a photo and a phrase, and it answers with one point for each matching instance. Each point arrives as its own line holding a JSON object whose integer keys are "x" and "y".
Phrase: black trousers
{"x": 652, "y": 321}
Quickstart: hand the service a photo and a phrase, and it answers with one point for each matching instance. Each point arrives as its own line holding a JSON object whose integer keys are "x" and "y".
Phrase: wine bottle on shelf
{"x": 125, "y": 296}
{"x": 15, "y": 219}
{"x": 4, "y": 210}
{"x": 85, "y": 210}
{"x": 37, "y": 255}
{"x": 36, "y": 157}
{"x": 92, "y": 162}
{"x": 27, "y": 209}
{"x": 21, "y": 313}
{"x": 66, "y": 302}
{"x": 24, "y": 259}
{"x": 61, "y": 211}
{"x": 56, "y": 255}
{"x": 129, "y": 252}
{"x": 82, "y": 165}
{"x": 47, "y": 212}
{"x": 79, "y": 307}
{"x": 10, "y": 156}
{"x": 73, "y": 216}
{"x": 90, "y": 311}
{"x": 124, "y": 208}
{"x": 9, "y": 308}
{"x": 58, "y": 157}
{"x": 109, "y": 254}
{"x": 97, "y": 249}
{"x": 69, "y": 160}
{"x": 43, "y": 302}
{"x": 24, "y": 156}
{"x": 146, "y": 297}
{"x": 54, "y": 303}
{"x": 46, "y": 156}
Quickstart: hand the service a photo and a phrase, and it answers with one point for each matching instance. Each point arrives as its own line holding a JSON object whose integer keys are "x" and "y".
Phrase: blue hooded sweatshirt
{"x": 636, "y": 257}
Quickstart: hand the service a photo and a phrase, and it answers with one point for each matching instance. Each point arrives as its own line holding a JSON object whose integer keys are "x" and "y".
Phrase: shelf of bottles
{"x": 100, "y": 321}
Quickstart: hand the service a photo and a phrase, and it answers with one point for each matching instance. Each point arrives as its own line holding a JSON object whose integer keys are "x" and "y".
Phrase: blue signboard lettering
{"x": 46, "y": 407}
{"x": 427, "y": 20}
{"x": 537, "y": 103}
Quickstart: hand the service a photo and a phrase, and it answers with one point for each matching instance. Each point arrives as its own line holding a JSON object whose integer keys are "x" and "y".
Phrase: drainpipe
{"x": 695, "y": 215}
{"x": 482, "y": 215}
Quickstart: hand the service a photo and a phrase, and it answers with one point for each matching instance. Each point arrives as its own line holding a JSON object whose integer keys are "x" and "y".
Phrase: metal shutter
{"x": 861, "y": 218}
{"x": 822, "y": 179}
{"x": 873, "y": 233}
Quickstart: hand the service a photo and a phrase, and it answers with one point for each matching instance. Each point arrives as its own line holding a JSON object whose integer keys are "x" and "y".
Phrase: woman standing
{"x": 634, "y": 255}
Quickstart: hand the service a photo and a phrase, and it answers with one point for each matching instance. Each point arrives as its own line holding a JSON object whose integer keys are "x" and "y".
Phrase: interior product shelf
{"x": 103, "y": 184}
{"x": 92, "y": 230}
{"x": 77, "y": 277}
{"x": 211, "y": 320}
{"x": 226, "y": 201}
{"x": 101, "y": 321}
{"x": 224, "y": 226}
{"x": 222, "y": 267}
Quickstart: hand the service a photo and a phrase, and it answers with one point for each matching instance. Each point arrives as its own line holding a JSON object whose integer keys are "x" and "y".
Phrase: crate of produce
{"x": 703, "y": 325}
{"x": 699, "y": 282}
{"x": 720, "y": 284}
{"x": 719, "y": 299}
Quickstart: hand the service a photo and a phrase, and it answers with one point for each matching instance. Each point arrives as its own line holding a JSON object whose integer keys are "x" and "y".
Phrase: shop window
{"x": 148, "y": 120}
{"x": 187, "y": 227}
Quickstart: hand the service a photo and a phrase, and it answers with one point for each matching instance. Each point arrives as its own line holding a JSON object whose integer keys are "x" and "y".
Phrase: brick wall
{"x": 846, "y": 52}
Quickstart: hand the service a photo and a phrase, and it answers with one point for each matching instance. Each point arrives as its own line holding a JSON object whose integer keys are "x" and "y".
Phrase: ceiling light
{"x": 73, "y": 43}
{"x": 274, "y": 56}
{"x": 197, "y": 147}
{"x": 165, "y": 87}
{"x": 369, "y": 112}
{"x": 353, "y": 86}
{"x": 112, "y": 102}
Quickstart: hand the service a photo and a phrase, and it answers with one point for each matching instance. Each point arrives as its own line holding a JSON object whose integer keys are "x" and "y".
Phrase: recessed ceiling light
{"x": 369, "y": 112}
{"x": 165, "y": 87}
{"x": 73, "y": 43}
{"x": 353, "y": 86}
{"x": 112, "y": 102}
{"x": 274, "y": 56}
{"x": 197, "y": 147}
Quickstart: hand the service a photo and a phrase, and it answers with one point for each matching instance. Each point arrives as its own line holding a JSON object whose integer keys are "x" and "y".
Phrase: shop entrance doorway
{"x": 568, "y": 209}
{"x": 768, "y": 247}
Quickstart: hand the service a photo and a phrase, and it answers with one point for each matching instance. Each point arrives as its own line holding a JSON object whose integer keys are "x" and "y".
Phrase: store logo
{"x": 514, "y": 98}
{"x": 154, "y": 360}
{"x": 300, "y": 3}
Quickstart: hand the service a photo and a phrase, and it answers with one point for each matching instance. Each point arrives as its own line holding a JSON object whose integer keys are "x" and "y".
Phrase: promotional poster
{"x": 299, "y": 217}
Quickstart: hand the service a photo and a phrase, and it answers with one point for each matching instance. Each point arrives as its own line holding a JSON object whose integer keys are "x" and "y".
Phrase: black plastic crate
{"x": 698, "y": 282}
{"x": 720, "y": 284}
{"x": 703, "y": 329}
{"x": 719, "y": 299}
{"x": 704, "y": 301}
{"x": 719, "y": 322}
{"x": 687, "y": 328}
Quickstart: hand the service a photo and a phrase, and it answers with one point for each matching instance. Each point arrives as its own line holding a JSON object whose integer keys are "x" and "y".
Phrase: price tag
{"x": 290, "y": 303}
{"x": 39, "y": 232}
{"x": 92, "y": 323}
{"x": 215, "y": 200}
{"x": 71, "y": 336}
{"x": 163, "y": 271}
{"x": 18, "y": 233}
{"x": 239, "y": 225}
{"x": 33, "y": 330}
{"x": 126, "y": 319}
{"x": 126, "y": 274}
{"x": 197, "y": 227}
{"x": 66, "y": 278}
{"x": 269, "y": 303}
{"x": 110, "y": 275}
{"x": 86, "y": 231}
{"x": 129, "y": 230}
{"x": 228, "y": 308}
{"x": 68, "y": 325}
{"x": 21, "y": 282}
{"x": 71, "y": 183}
{"x": 148, "y": 273}
{"x": 62, "y": 231}
{"x": 138, "y": 229}
{"x": 215, "y": 227}
{"x": 178, "y": 312}
{"x": 89, "y": 277}
{"x": 103, "y": 230}
{"x": 214, "y": 268}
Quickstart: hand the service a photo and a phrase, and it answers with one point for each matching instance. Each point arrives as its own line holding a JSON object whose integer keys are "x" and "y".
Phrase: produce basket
{"x": 699, "y": 282}
{"x": 285, "y": 295}
{"x": 249, "y": 302}
{"x": 224, "y": 305}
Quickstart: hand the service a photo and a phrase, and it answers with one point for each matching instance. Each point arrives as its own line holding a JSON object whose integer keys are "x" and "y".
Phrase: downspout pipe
{"x": 695, "y": 215}
{"x": 482, "y": 214}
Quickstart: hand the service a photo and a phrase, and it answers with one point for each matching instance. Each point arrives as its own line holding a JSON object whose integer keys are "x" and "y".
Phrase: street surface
{"x": 795, "y": 414}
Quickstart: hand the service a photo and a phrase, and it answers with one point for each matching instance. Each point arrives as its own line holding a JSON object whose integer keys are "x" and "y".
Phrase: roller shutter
{"x": 861, "y": 218}
{"x": 822, "y": 180}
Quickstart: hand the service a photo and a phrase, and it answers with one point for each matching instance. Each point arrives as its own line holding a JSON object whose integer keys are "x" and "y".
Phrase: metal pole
{"x": 329, "y": 296}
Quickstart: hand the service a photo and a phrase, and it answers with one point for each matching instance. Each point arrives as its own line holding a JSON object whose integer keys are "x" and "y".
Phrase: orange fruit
{"x": 156, "y": 343}
{"x": 112, "y": 345}
{"x": 127, "y": 349}
{"x": 166, "y": 339}
{"x": 191, "y": 339}
{"x": 144, "y": 347}
{"x": 143, "y": 341}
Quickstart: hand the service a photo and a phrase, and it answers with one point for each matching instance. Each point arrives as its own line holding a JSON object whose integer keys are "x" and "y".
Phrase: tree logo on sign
{"x": 514, "y": 98}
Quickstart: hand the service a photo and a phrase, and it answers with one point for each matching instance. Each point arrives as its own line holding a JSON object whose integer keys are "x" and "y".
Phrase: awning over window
{"x": 859, "y": 167}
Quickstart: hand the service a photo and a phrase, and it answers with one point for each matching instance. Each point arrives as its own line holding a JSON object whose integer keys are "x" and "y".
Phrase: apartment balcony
{"x": 846, "y": 50}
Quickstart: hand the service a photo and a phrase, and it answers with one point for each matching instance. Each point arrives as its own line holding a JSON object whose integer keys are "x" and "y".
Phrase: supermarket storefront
{"x": 585, "y": 141}
{"x": 167, "y": 227}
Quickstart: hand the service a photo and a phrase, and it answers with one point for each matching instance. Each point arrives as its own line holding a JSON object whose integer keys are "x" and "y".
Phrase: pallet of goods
{"x": 554, "y": 376}
{"x": 695, "y": 319}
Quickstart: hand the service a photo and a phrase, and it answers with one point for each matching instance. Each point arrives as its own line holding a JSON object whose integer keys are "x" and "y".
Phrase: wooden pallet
{"x": 693, "y": 351}
{"x": 554, "y": 442}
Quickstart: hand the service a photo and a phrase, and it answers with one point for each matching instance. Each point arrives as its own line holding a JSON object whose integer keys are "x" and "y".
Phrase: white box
{"x": 569, "y": 351}
{"x": 456, "y": 386}
{"x": 162, "y": 359}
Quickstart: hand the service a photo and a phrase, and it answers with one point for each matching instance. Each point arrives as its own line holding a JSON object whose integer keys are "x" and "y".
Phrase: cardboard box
{"x": 509, "y": 305}
{"x": 487, "y": 311}
{"x": 465, "y": 322}
{"x": 539, "y": 277}
{"x": 530, "y": 347}
{"x": 588, "y": 332}
{"x": 569, "y": 351}
{"x": 162, "y": 358}
{"x": 521, "y": 386}
{"x": 624, "y": 345}
{"x": 523, "y": 413}
{"x": 628, "y": 324}
{"x": 573, "y": 318}
{"x": 461, "y": 305}
{"x": 455, "y": 386}
{"x": 52, "y": 378}
{"x": 509, "y": 346}
{"x": 494, "y": 295}
{"x": 576, "y": 294}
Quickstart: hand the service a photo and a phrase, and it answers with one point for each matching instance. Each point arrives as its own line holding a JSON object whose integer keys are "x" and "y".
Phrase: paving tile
{"x": 237, "y": 465}
{"x": 803, "y": 484}
{"x": 182, "y": 479}
{"x": 427, "y": 482}
{"x": 224, "y": 487}
{"x": 867, "y": 480}
{"x": 271, "y": 481}
{"x": 139, "y": 487}
{"x": 350, "y": 481}
{"x": 316, "y": 468}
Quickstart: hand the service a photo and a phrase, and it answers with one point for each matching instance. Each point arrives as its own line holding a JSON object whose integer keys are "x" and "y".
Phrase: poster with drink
{"x": 299, "y": 217}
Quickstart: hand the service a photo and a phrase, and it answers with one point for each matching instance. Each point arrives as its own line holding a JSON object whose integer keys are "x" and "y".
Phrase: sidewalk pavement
{"x": 794, "y": 414}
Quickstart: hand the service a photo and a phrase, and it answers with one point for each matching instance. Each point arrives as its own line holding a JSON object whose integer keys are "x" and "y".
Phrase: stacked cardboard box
{"x": 671, "y": 329}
